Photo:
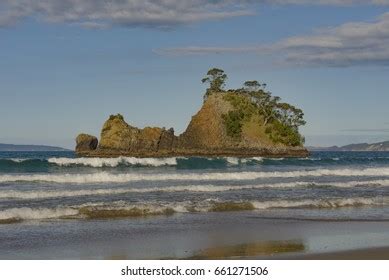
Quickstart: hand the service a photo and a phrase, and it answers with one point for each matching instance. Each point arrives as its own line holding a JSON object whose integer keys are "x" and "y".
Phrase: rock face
{"x": 118, "y": 137}
{"x": 206, "y": 130}
{"x": 86, "y": 143}
{"x": 206, "y": 135}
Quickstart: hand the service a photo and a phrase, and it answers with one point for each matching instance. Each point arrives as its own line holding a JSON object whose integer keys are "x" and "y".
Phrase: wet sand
{"x": 224, "y": 235}
{"x": 361, "y": 254}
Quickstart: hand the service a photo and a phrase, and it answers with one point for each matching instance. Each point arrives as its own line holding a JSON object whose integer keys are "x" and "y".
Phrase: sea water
{"x": 41, "y": 192}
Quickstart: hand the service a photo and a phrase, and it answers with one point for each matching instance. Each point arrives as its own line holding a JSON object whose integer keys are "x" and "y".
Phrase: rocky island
{"x": 242, "y": 122}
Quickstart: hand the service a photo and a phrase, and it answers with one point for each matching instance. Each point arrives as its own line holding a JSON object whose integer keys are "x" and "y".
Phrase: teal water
{"x": 327, "y": 185}
{"x": 55, "y": 205}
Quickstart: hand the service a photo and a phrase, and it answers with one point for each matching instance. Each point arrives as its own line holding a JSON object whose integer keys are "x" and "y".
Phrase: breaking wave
{"x": 179, "y": 162}
{"x": 113, "y": 162}
{"x": 26, "y": 213}
{"x": 133, "y": 161}
{"x": 323, "y": 203}
{"x": 19, "y": 159}
{"x": 121, "y": 209}
{"x": 106, "y": 177}
{"x": 44, "y": 194}
{"x": 37, "y": 164}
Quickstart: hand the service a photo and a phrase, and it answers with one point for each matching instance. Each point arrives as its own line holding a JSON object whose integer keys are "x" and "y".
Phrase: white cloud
{"x": 350, "y": 44}
{"x": 98, "y": 13}
{"x": 197, "y": 50}
{"x": 357, "y": 43}
{"x": 150, "y": 13}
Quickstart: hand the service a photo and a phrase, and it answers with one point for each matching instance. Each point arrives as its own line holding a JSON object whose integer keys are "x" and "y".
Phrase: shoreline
{"x": 373, "y": 253}
{"x": 223, "y": 235}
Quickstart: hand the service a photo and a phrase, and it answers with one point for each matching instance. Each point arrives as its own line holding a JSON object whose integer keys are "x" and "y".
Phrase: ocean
{"x": 55, "y": 205}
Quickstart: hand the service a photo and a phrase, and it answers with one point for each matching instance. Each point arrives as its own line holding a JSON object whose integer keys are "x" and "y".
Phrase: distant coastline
{"x": 30, "y": 148}
{"x": 361, "y": 147}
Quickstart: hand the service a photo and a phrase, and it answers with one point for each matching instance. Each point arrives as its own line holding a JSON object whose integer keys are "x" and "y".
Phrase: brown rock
{"x": 117, "y": 134}
{"x": 148, "y": 139}
{"x": 86, "y": 143}
{"x": 167, "y": 140}
{"x": 206, "y": 129}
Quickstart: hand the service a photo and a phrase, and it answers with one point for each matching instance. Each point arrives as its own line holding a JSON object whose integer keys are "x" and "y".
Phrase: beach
{"x": 331, "y": 205}
{"x": 238, "y": 235}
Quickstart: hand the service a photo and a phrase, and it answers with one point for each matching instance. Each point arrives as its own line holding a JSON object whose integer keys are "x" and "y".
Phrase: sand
{"x": 219, "y": 235}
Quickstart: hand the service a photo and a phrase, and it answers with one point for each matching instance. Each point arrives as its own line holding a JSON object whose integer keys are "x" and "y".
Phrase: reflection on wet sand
{"x": 266, "y": 248}
{"x": 117, "y": 257}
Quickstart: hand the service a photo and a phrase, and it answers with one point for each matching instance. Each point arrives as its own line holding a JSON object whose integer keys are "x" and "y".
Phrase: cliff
{"x": 228, "y": 124}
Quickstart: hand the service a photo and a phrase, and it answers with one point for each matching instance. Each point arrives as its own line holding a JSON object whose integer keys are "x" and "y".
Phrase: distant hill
{"x": 378, "y": 147}
{"x": 29, "y": 148}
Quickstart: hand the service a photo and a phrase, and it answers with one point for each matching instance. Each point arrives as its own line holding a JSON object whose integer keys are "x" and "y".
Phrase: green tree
{"x": 290, "y": 115}
{"x": 266, "y": 103}
{"x": 253, "y": 86}
{"x": 216, "y": 78}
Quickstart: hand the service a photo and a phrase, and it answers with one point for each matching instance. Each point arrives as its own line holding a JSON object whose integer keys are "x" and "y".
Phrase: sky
{"x": 66, "y": 65}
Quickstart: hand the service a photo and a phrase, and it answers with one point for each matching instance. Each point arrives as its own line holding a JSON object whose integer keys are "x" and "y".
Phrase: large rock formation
{"x": 206, "y": 135}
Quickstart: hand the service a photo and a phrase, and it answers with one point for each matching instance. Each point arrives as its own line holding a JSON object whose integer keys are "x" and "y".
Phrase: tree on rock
{"x": 216, "y": 79}
{"x": 253, "y": 85}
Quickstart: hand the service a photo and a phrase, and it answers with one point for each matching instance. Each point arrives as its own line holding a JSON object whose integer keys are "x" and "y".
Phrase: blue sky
{"x": 66, "y": 65}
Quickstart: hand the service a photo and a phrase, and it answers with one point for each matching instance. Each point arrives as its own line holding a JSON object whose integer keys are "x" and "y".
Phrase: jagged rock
{"x": 148, "y": 139}
{"x": 86, "y": 143}
{"x": 167, "y": 140}
{"x": 206, "y": 129}
{"x": 117, "y": 134}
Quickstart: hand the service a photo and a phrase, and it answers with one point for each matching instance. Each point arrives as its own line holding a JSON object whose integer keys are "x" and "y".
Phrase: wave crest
{"x": 121, "y": 209}
{"x": 113, "y": 162}
{"x": 46, "y": 194}
{"x": 106, "y": 177}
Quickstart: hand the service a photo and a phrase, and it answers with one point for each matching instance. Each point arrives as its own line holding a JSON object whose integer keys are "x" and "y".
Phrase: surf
{"x": 107, "y": 177}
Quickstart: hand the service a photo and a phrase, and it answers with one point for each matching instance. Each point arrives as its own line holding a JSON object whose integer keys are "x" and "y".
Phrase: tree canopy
{"x": 282, "y": 120}
{"x": 216, "y": 78}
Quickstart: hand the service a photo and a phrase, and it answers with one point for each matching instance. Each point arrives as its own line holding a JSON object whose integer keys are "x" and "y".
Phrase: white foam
{"x": 106, "y": 177}
{"x": 183, "y": 207}
{"x": 18, "y": 160}
{"x": 322, "y": 203}
{"x": 232, "y": 160}
{"x": 113, "y": 162}
{"x": 26, "y": 213}
{"x": 43, "y": 194}
{"x": 255, "y": 159}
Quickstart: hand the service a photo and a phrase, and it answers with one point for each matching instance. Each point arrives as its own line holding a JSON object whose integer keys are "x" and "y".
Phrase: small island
{"x": 244, "y": 122}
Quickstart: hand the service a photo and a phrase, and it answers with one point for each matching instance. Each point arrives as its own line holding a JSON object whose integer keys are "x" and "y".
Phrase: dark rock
{"x": 167, "y": 140}
{"x": 86, "y": 143}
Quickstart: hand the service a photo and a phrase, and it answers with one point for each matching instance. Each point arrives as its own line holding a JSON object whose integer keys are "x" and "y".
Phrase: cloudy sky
{"x": 66, "y": 65}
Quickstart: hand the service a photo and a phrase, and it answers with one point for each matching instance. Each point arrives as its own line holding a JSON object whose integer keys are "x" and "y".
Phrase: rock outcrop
{"x": 118, "y": 137}
{"x": 206, "y": 135}
{"x": 86, "y": 143}
{"x": 206, "y": 130}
